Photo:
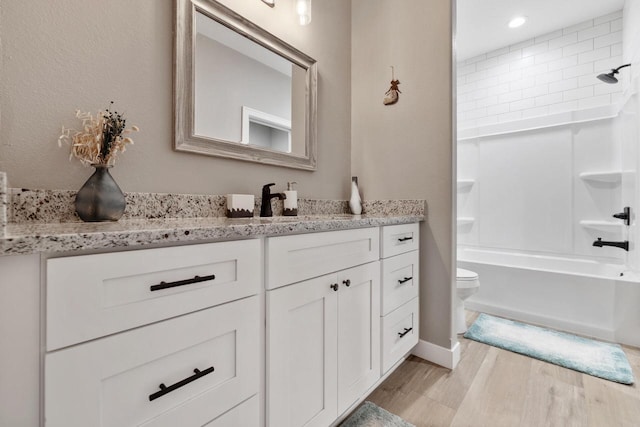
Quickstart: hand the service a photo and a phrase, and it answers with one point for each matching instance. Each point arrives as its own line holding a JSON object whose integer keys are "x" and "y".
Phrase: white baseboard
{"x": 442, "y": 356}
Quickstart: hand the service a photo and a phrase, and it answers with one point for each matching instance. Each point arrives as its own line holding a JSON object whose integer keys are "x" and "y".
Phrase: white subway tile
{"x": 616, "y": 98}
{"x": 579, "y": 70}
{"x": 535, "y": 49}
{"x": 616, "y": 49}
{"x": 522, "y": 104}
{"x": 521, "y": 63}
{"x": 523, "y": 83}
{"x": 508, "y": 117}
{"x": 475, "y": 114}
{"x": 562, "y": 107}
{"x": 499, "y": 69}
{"x": 565, "y": 40}
{"x": 604, "y": 65}
{"x": 498, "y": 52}
{"x": 606, "y": 18}
{"x": 466, "y": 88}
{"x": 478, "y": 75}
{"x": 552, "y": 76}
{"x": 521, "y": 45}
{"x": 510, "y": 97}
{"x": 575, "y": 94}
{"x": 466, "y": 69}
{"x": 553, "y": 98}
{"x": 552, "y": 55}
{"x": 491, "y": 81}
{"x": 498, "y": 90}
{"x": 498, "y": 109}
{"x": 548, "y": 36}
{"x": 594, "y": 55}
{"x": 607, "y": 40}
{"x": 475, "y": 59}
{"x": 616, "y": 25}
{"x": 563, "y": 85}
{"x": 601, "y": 88}
{"x": 587, "y": 80}
{"x": 489, "y": 120}
{"x": 595, "y": 31}
{"x": 535, "y": 70}
{"x": 466, "y": 106}
{"x": 561, "y": 63}
{"x": 577, "y": 27}
{"x": 487, "y": 102}
{"x": 480, "y": 93}
{"x": 535, "y": 112}
{"x": 535, "y": 91}
{"x": 461, "y": 80}
{"x": 573, "y": 49}
{"x": 595, "y": 101}
{"x": 510, "y": 76}
{"x": 486, "y": 63}
{"x": 465, "y": 97}
{"x": 510, "y": 57}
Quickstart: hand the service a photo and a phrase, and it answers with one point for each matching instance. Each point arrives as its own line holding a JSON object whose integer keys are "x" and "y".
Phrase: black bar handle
{"x": 406, "y": 331}
{"x": 405, "y": 280}
{"x": 165, "y": 285}
{"x": 164, "y": 389}
{"x": 347, "y": 283}
{"x": 404, "y": 239}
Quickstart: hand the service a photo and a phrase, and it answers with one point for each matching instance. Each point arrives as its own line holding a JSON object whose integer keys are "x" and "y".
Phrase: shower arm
{"x": 616, "y": 70}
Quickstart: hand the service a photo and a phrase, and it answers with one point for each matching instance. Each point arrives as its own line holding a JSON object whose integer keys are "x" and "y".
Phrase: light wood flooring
{"x": 494, "y": 387}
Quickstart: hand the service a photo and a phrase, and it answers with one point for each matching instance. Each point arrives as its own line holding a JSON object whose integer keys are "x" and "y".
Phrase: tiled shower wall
{"x": 549, "y": 74}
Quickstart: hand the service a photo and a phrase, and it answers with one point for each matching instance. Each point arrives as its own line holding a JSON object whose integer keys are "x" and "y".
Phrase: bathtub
{"x": 575, "y": 295}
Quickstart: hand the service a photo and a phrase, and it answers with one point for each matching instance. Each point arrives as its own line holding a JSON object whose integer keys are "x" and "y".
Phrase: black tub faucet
{"x": 623, "y": 245}
{"x": 265, "y": 207}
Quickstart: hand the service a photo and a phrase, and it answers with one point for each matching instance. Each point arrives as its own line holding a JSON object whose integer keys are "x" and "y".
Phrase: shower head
{"x": 610, "y": 77}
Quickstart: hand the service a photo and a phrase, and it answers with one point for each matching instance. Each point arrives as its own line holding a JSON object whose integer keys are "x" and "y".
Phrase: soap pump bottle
{"x": 291, "y": 200}
{"x": 355, "y": 202}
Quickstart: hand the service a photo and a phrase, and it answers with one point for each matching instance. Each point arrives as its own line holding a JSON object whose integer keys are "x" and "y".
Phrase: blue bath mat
{"x": 591, "y": 357}
{"x": 371, "y": 415}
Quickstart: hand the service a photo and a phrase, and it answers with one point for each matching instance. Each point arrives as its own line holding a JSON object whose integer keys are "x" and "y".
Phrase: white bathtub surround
{"x": 545, "y": 75}
{"x": 572, "y": 294}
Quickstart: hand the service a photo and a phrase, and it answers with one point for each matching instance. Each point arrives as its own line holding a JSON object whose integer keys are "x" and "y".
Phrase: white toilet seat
{"x": 466, "y": 279}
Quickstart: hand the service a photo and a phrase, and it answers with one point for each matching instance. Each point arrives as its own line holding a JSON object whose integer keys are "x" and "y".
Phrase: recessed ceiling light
{"x": 517, "y": 21}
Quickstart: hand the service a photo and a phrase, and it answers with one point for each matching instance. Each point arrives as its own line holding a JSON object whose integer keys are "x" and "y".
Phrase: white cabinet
{"x": 323, "y": 335}
{"x": 184, "y": 365}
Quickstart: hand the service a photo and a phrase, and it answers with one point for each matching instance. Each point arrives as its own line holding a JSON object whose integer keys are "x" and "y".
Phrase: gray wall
{"x": 66, "y": 55}
{"x": 405, "y": 150}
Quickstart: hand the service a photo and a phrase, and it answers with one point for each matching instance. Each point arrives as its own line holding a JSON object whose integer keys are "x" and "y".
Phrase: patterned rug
{"x": 371, "y": 415}
{"x": 591, "y": 357}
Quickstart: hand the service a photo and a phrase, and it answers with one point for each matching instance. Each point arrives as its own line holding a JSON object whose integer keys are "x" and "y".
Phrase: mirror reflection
{"x": 239, "y": 91}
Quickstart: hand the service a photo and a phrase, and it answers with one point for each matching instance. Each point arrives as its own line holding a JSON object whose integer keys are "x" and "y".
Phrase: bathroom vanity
{"x": 210, "y": 321}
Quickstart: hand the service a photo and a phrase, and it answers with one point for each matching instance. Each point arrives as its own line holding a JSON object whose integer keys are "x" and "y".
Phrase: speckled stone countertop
{"x": 33, "y": 221}
{"x": 29, "y": 238}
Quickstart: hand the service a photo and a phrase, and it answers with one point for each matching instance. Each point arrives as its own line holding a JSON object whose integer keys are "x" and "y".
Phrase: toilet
{"x": 467, "y": 284}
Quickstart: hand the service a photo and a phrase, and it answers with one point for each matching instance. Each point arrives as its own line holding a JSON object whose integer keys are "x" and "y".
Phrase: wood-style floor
{"x": 493, "y": 387}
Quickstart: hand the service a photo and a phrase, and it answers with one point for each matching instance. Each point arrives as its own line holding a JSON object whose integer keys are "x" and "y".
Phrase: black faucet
{"x": 265, "y": 208}
{"x": 600, "y": 243}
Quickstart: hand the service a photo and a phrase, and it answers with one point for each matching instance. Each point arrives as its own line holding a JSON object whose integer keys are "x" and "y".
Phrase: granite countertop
{"x": 27, "y": 238}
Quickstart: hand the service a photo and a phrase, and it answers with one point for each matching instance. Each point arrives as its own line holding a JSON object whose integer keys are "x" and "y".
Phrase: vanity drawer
{"x": 399, "y": 333}
{"x": 398, "y": 239}
{"x": 113, "y": 381}
{"x": 292, "y": 259}
{"x": 246, "y": 414}
{"x": 90, "y": 296}
{"x": 400, "y": 280}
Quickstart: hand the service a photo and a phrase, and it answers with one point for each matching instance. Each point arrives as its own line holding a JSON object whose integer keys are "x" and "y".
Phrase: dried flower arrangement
{"x": 100, "y": 139}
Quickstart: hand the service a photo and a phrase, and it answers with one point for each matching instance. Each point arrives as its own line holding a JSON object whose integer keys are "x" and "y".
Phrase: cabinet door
{"x": 358, "y": 332}
{"x": 302, "y": 354}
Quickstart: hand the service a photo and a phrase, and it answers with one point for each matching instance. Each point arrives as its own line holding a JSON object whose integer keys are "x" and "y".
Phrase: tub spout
{"x": 600, "y": 243}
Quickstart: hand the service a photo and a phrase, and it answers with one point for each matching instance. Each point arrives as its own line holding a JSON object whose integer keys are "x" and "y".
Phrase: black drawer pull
{"x": 164, "y": 389}
{"x": 406, "y": 331}
{"x": 335, "y": 287}
{"x": 404, "y": 239}
{"x": 405, "y": 280}
{"x": 347, "y": 283}
{"x": 165, "y": 285}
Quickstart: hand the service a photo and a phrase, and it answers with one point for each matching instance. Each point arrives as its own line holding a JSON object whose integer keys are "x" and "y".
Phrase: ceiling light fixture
{"x": 269, "y": 3}
{"x": 303, "y": 7}
{"x": 518, "y": 21}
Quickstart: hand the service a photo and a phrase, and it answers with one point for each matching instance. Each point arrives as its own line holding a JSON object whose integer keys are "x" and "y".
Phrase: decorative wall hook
{"x": 391, "y": 96}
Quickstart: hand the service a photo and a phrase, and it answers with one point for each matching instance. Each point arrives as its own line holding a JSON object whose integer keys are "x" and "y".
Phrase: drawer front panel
{"x": 398, "y": 239}
{"x": 247, "y": 414}
{"x": 91, "y": 296}
{"x": 292, "y": 259}
{"x": 400, "y": 280}
{"x": 115, "y": 381}
{"x": 403, "y": 320}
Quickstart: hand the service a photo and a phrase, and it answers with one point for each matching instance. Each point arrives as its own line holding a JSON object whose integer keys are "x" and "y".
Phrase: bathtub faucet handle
{"x": 626, "y": 215}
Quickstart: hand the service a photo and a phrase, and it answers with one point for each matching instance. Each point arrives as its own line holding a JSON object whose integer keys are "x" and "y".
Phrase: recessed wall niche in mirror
{"x": 239, "y": 91}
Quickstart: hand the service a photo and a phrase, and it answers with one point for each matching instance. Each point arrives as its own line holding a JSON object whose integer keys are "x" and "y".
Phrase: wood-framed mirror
{"x": 239, "y": 91}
